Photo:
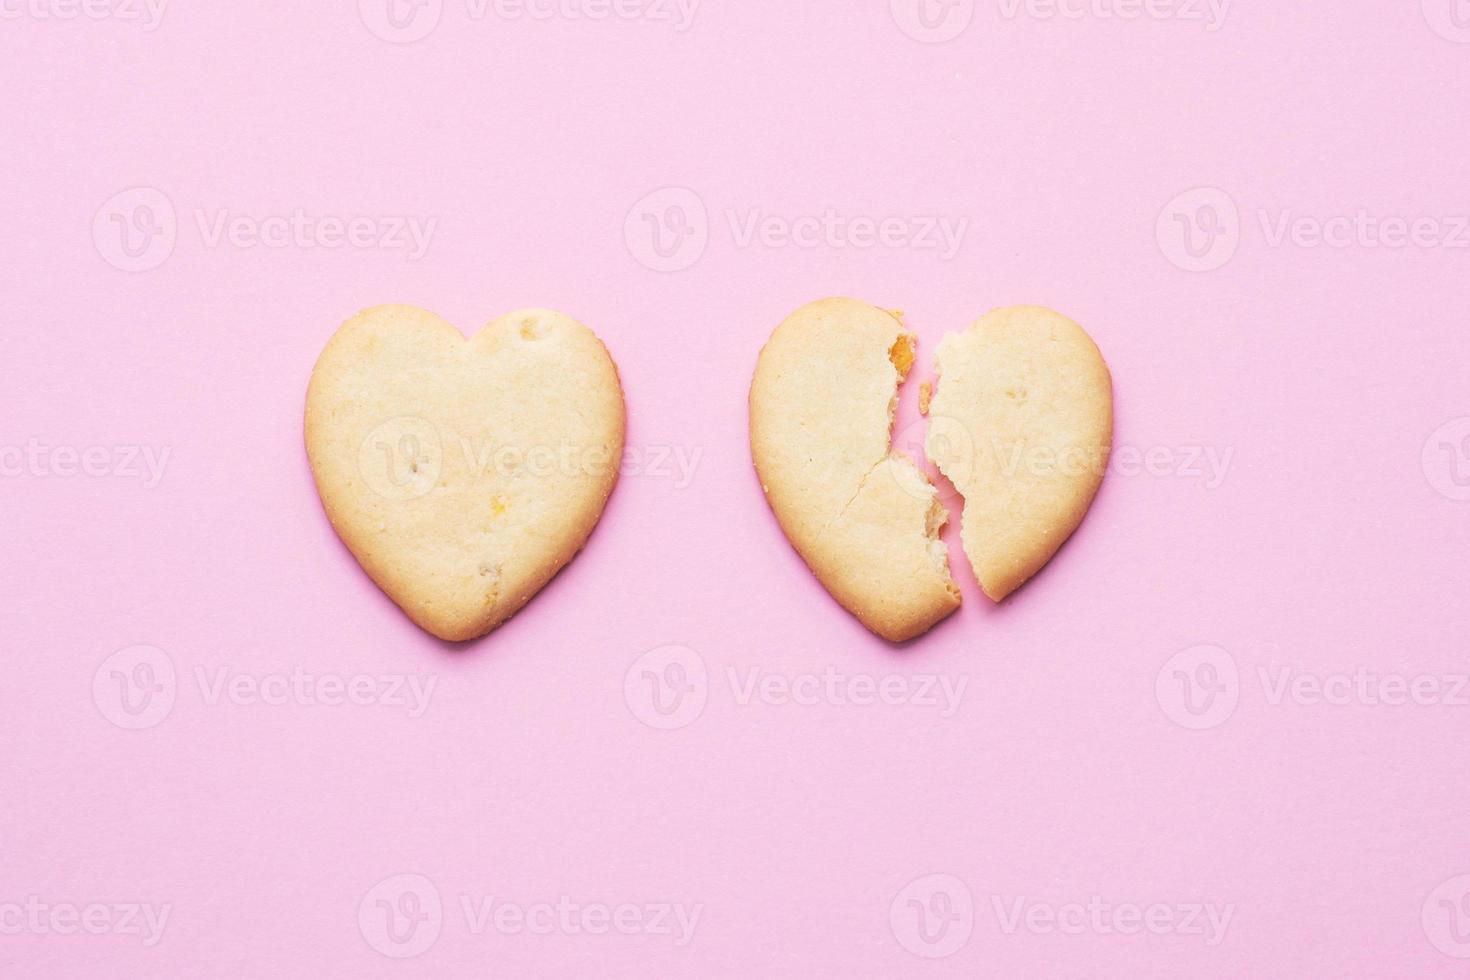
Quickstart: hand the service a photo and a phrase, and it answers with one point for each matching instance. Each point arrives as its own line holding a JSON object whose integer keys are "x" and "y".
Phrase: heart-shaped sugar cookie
{"x": 865, "y": 519}
{"x": 463, "y": 474}
{"x": 1021, "y": 422}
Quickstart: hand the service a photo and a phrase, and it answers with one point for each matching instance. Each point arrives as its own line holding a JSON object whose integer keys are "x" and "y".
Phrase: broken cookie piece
{"x": 1021, "y": 423}
{"x": 865, "y": 519}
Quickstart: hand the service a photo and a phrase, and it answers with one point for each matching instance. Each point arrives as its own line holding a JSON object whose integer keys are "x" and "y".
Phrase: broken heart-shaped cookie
{"x": 865, "y": 519}
{"x": 463, "y": 474}
{"x": 1021, "y": 422}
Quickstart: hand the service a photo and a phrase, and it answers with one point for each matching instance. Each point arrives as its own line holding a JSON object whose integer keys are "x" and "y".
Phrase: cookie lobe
{"x": 865, "y": 519}
{"x": 1021, "y": 422}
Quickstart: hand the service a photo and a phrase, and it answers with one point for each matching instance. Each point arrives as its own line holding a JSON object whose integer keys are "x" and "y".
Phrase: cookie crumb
{"x": 902, "y": 354}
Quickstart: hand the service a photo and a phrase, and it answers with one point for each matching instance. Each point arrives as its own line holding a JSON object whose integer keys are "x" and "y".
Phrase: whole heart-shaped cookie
{"x": 462, "y": 474}
{"x": 1021, "y": 423}
{"x": 865, "y": 519}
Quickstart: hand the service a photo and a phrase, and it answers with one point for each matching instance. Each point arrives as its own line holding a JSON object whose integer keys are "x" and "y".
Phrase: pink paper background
{"x": 1334, "y": 544}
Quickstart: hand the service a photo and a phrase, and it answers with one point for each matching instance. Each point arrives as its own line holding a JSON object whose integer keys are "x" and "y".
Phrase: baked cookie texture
{"x": 865, "y": 519}
{"x": 463, "y": 474}
{"x": 1027, "y": 406}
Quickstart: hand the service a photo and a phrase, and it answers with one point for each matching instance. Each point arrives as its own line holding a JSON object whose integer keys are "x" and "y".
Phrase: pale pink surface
{"x": 1329, "y": 546}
